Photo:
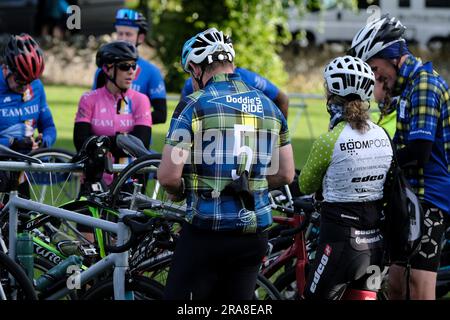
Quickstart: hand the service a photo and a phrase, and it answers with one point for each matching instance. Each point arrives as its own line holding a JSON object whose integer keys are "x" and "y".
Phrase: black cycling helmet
{"x": 114, "y": 52}
{"x": 376, "y": 36}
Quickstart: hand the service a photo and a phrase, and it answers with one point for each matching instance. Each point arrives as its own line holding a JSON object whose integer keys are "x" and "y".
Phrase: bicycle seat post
{"x": 13, "y": 221}
{"x": 121, "y": 259}
{"x": 137, "y": 187}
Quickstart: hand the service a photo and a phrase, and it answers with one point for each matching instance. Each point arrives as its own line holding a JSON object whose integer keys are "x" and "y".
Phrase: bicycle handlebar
{"x": 137, "y": 228}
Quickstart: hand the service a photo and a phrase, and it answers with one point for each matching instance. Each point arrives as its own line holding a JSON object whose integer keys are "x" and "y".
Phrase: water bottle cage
{"x": 68, "y": 247}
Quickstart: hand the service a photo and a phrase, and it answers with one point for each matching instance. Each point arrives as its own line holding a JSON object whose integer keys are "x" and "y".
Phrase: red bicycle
{"x": 292, "y": 249}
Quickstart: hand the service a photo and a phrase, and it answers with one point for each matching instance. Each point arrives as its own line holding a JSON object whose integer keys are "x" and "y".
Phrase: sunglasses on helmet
{"x": 127, "y": 14}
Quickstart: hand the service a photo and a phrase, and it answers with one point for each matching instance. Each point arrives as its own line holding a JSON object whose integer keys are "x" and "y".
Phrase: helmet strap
{"x": 199, "y": 79}
{"x": 113, "y": 80}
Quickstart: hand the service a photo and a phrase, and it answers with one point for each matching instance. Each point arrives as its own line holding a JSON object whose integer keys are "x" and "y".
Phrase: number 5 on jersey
{"x": 238, "y": 149}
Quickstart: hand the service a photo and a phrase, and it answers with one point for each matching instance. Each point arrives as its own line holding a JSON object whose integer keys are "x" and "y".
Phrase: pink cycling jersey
{"x": 108, "y": 114}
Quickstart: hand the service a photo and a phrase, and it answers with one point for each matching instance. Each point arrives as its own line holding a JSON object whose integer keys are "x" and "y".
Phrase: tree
{"x": 258, "y": 29}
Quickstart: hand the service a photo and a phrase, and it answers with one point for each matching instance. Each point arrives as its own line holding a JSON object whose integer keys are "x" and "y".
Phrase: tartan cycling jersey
{"x": 349, "y": 165}
{"x": 423, "y": 112}
{"x": 252, "y": 79}
{"x": 21, "y": 114}
{"x": 148, "y": 80}
{"x": 228, "y": 127}
{"x": 108, "y": 114}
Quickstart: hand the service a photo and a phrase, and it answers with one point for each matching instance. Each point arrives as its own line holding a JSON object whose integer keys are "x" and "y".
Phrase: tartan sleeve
{"x": 284, "y": 131}
{"x": 425, "y": 108}
{"x": 180, "y": 131}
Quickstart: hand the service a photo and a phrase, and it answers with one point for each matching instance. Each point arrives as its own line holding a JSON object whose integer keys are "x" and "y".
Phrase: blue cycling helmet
{"x": 207, "y": 46}
{"x": 131, "y": 18}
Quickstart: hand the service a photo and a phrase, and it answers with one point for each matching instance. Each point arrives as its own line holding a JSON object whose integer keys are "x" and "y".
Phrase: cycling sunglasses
{"x": 126, "y": 66}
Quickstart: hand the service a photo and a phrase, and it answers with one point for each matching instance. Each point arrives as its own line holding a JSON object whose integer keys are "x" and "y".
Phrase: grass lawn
{"x": 63, "y": 101}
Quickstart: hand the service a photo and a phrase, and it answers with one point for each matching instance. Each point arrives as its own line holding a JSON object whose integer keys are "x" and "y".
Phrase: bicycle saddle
{"x": 131, "y": 145}
{"x": 6, "y": 152}
{"x": 304, "y": 204}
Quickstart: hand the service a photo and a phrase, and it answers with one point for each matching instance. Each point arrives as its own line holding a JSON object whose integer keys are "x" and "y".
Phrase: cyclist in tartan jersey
{"x": 228, "y": 133}
{"x": 253, "y": 80}
{"x": 421, "y": 100}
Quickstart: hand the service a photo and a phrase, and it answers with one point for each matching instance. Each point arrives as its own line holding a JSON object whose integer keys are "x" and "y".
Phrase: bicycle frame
{"x": 117, "y": 260}
{"x": 296, "y": 250}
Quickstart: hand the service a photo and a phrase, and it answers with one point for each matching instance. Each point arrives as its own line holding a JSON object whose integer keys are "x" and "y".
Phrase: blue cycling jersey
{"x": 148, "y": 80}
{"x": 20, "y": 114}
{"x": 250, "y": 78}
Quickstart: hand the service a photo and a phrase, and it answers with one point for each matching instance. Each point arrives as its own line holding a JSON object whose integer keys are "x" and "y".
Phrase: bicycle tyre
{"x": 286, "y": 284}
{"x": 130, "y": 172}
{"x": 156, "y": 265}
{"x": 271, "y": 292}
{"x": 10, "y": 269}
{"x": 156, "y": 268}
{"x": 143, "y": 288}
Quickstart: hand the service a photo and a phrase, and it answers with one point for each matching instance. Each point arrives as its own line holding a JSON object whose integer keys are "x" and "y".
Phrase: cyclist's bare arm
{"x": 286, "y": 167}
{"x": 282, "y": 102}
{"x": 171, "y": 169}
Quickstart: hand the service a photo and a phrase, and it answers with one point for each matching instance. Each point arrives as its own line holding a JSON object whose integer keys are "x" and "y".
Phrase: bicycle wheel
{"x": 54, "y": 188}
{"x": 265, "y": 290}
{"x": 143, "y": 289}
{"x": 156, "y": 268}
{"x": 14, "y": 283}
{"x": 123, "y": 183}
{"x": 286, "y": 284}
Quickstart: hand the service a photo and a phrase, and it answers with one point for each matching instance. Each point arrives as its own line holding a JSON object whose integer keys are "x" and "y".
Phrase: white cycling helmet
{"x": 209, "y": 45}
{"x": 349, "y": 75}
{"x": 376, "y": 36}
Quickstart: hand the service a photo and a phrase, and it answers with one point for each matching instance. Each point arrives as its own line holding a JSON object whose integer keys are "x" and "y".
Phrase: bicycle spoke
{"x": 62, "y": 188}
{"x": 30, "y": 185}
{"x": 2, "y": 293}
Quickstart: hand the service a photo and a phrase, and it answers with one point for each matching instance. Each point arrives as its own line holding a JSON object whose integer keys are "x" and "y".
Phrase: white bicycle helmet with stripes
{"x": 376, "y": 36}
{"x": 209, "y": 45}
{"x": 349, "y": 75}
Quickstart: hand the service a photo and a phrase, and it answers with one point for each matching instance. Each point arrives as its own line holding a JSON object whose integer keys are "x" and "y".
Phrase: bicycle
{"x": 14, "y": 283}
{"x": 119, "y": 260}
{"x": 287, "y": 258}
{"x": 54, "y": 188}
{"x": 288, "y": 265}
